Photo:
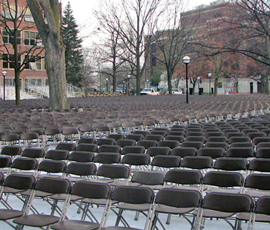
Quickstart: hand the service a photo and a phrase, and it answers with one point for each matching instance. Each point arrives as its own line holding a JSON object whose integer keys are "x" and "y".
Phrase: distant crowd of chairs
{"x": 198, "y": 165}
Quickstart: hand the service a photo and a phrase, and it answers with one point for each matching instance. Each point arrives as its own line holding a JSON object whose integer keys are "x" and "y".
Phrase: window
{"x": 10, "y": 82}
{"x": 8, "y": 61}
{"x": 8, "y": 36}
{"x": 28, "y": 16}
{"x": 153, "y": 47}
{"x": 31, "y": 38}
{"x": 33, "y": 82}
{"x": 9, "y": 10}
{"x": 34, "y": 62}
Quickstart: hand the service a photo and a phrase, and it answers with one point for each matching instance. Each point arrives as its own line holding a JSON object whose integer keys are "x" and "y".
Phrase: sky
{"x": 82, "y": 11}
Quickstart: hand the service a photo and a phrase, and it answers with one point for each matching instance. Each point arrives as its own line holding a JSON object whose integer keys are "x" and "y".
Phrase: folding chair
{"x": 113, "y": 174}
{"x": 87, "y": 147}
{"x": 224, "y": 206}
{"x": 37, "y": 153}
{"x": 52, "y": 190}
{"x": 184, "y": 179}
{"x": 175, "y": 202}
{"x": 213, "y": 152}
{"x": 257, "y": 184}
{"x": 136, "y": 162}
{"x": 151, "y": 179}
{"x": 261, "y": 212}
{"x": 221, "y": 181}
{"x": 81, "y": 156}
{"x": 80, "y": 171}
{"x": 57, "y": 154}
{"x": 86, "y": 194}
{"x": 154, "y": 151}
{"x": 165, "y": 162}
{"x": 66, "y": 146}
{"x": 133, "y": 149}
{"x": 14, "y": 185}
{"x": 132, "y": 198}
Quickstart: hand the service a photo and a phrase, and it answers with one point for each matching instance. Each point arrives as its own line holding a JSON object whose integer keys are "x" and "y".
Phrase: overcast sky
{"x": 82, "y": 11}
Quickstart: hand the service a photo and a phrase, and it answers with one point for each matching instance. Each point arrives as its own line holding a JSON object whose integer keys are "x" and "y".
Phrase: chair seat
{"x": 118, "y": 228}
{"x": 172, "y": 210}
{"x": 7, "y": 214}
{"x": 36, "y": 220}
{"x": 75, "y": 224}
{"x": 258, "y": 217}
{"x": 214, "y": 214}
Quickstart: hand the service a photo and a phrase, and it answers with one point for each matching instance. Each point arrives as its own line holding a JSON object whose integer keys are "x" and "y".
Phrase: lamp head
{"x": 4, "y": 73}
{"x": 186, "y": 59}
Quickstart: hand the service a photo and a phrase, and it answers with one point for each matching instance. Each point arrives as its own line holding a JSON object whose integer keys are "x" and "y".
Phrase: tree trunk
{"x": 17, "y": 87}
{"x": 54, "y": 59}
{"x": 169, "y": 75}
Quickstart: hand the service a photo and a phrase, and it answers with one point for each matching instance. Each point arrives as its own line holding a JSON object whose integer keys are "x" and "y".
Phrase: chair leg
{"x": 169, "y": 219}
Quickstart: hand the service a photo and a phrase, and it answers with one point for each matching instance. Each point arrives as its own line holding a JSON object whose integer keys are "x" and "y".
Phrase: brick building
{"x": 29, "y": 44}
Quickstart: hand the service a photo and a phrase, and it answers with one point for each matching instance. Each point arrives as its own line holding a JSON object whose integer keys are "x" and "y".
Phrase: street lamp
{"x": 186, "y": 60}
{"x": 147, "y": 83}
{"x": 4, "y": 73}
{"x": 107, "y": 87}
{"x": 209, "y": 76}
{"x": 128, "y": 77}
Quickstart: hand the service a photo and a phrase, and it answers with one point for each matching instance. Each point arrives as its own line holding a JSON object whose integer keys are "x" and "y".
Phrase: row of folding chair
{"x": 60, "y": 195}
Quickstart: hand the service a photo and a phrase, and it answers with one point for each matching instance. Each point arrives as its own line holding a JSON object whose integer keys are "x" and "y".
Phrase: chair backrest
{"x": 154, "y": 137}
{"x": 33, "y": 152}
{"x": 91, "y": 190}
{"x": 166, "y": 161}
{"x": 136, "y": 159}
{"x": 231, "y": 163}
{"x": 258, "y": 140}
{"x": 11, "y": 150}
{"x": 52, "y": 166}
{"x": 23, "y": 163}
{"x": 263, "y": 205}
{"x": 87, "y": 147}
{"x": 125, "y": 142}
{"x": 183, "y": 177}
{"x": 148, "y": 178}
{"x": 197, "y": 162}
{"x": 136, "y": 137}
{"x": 81, "y": 169}
{"x": 81, "y": 156}
{"x": 178, "y": 198}
{"x": 133, "y": 149}
{"x": 195, "y": 144}
{"x": 133, "y": 195}
{"x": 147, "y": 143}
{"x": 228, "y": 202}
{"x": 169, "y": 143}
{"x": 261, "y": 165}
{"x": 87, "y": 140}
{"x": 109, "y": 149}
{"x": 66, "y": 146}
{"x": 53, "y": 185}
{"x": 154, "y": 151}
{"x": 263, "y": 152}
{"x": 107, "y": 158}
{"x": 105, "y": 141}
{"x": 223, "y": 145}
{"x": 5, "y": 161}
{"x": 21, "y": 182}
{"x": 54, "y": 154}
{"x": 184, "y": 151}
{"x": 114, "y": 171}
{"x": 213, "y": 152}
{"x": 243, "y": 152}
{"x": 258, "y": 181}
{"x": 223, "y": 179}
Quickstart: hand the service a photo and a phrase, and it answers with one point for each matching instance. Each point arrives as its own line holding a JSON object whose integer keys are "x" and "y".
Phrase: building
{"x": 33, "y": 78}
{"x": 203, "y": 23}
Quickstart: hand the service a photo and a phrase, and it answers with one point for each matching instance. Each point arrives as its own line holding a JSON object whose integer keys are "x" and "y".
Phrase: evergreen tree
{"x": 73, "y": 51}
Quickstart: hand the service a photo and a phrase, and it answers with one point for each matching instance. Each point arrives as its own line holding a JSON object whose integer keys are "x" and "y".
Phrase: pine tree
{"x": 73, "y": 52}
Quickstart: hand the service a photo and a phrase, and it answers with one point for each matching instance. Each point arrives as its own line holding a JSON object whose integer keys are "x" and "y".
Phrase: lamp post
{"x": 107, "y": 86}
{"x": 186, "y": 60}
{"x": 147, "y": 83}
{"x": 128, "y": 90}
{"x": 209, "y": 76}
{"x": 123, "y": 87}
{"x": 4, "y": 73}
{"x": 198, "y": 79}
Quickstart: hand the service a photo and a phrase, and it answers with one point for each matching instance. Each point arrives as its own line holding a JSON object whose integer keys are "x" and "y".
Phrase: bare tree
{"x": 133, "y": 20}
{"x": 17, "y": 56}
{"x": 113, "y": 47}
{"x": 47, "y": 16}
{"x": 171, "y": 39}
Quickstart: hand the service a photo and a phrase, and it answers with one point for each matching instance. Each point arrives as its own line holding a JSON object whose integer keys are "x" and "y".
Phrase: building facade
{"x": 30, "y": 49}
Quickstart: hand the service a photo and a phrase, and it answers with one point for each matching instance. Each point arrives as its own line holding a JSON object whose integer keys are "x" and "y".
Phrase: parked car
{"x": 149, "y": 91}
{"x": 176, "y": 91}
